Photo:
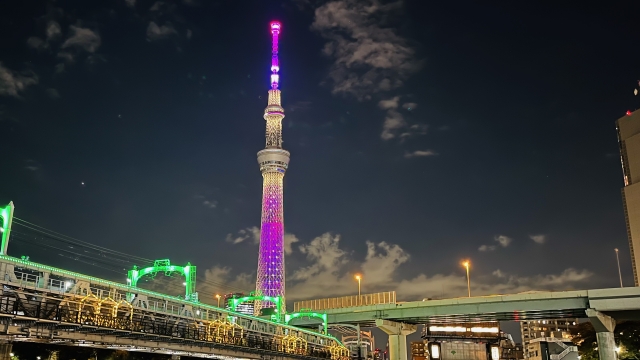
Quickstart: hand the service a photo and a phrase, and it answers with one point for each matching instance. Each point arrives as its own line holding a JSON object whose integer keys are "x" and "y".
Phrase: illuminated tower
{"x": 273, "y": 162}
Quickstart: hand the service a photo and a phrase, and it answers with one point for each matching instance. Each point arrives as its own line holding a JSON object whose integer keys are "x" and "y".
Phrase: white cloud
{"x": 484, "y": 248}
{"x": 409, "y": 106}
{"x": 130, "y": 3}
{"x": 218, "y": 280}
{"x": 82, "y": 38}
{"x": 156, "y": 6}
{"x": 245, "y": 234}
{"x": 155, "y": 32}
{"x": 392, "y": 122}
{"x": 211, "y": 204}
{"x": 253, "y": 233}
{"x": 382, "y": 261}
{"x": 32, "y": 165}
{"x": 330, "y": 269}
{"x": 368, "y": 58}
{"x": 499, "y": 273}
{"x": 35, "y": 42}
{"x": 389, "y": 104}
{"x": 394, "y": 119}
{"x": 13, "y": 83}
{"x": 53, "y": 93}
{"x": 59, "y": 68}
{"x": 539, "y": 239}
{"x": 289, "y": 240}
{"x": 415, "y": 129}
{"x": 504, "y": 241}
{"x": 66, "y": 56}
{"x": 53, "y": 30}
{"x": 420, "y": 153}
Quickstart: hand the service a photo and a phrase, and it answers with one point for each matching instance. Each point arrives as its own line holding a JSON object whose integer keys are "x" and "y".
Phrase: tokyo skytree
{"x": 273, "y": 162}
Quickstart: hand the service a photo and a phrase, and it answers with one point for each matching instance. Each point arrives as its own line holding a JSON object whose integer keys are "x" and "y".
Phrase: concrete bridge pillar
{"x": 603, "y": 325}
{"x": 397, "y": 337}
{"x": 5, "y": 350}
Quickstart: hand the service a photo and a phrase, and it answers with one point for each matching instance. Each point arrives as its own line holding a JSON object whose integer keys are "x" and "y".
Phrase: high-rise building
{"x": 536, "y": 329}
{"x": 273, "y": 162}
{"x": 629, "y": 139}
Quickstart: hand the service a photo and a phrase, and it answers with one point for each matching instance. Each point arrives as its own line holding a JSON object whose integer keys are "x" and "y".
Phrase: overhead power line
{"x": 96, "y": 255}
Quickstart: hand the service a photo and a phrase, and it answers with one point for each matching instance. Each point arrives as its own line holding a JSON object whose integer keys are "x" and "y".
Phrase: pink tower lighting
{"x": 275, "y": 65}
{"x": 273, "y": 160}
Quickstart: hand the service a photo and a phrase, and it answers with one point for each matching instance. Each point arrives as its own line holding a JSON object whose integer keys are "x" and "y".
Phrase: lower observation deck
{"x": 39, "y": 303}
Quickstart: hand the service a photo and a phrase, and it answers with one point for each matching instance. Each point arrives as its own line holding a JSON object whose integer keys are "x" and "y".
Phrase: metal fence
{"x": 388, "y": 297}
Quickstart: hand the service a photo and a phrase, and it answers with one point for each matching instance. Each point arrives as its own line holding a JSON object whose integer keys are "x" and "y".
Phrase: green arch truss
{"x": 6, "y": 213}
{"x": 310, "y": 314}
{"x": 188, "y": 271}
{"x": 277, "y": 300}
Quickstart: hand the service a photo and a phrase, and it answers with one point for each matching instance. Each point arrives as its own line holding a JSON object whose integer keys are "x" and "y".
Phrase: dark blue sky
{"x": 420, "y": 133}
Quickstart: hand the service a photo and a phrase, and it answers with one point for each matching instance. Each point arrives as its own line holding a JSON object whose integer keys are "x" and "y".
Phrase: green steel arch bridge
{"x": 41, "y": 303}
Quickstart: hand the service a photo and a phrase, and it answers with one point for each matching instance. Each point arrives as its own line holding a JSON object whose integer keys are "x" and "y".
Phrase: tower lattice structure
{"x": 273, "y": 162}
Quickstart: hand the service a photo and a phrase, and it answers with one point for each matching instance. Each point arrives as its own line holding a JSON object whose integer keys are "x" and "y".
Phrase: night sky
{"x": 421, "y": 133}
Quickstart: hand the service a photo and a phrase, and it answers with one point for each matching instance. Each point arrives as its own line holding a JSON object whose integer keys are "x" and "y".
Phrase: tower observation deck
{"x": 273, "y": 162}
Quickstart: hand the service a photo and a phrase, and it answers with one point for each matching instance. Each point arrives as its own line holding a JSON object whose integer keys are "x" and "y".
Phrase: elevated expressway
{"x": 603, "y": 307}
{"x": 619, "y": 303}
{"x": 39, "y": 303}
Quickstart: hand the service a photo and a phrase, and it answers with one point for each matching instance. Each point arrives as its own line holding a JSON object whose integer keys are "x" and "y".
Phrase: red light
{"x": 628, "y": 112}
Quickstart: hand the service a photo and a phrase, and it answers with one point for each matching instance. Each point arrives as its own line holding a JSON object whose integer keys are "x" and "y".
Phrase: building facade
{"x": 551, "y": 349}
{"x": 246, "y": 308}
{"x": 628, "y": 128}
{"x": 537, "y": 329}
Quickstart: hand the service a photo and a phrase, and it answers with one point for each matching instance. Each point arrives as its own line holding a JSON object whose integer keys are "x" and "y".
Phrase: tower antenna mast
{"x": 273, "y": 160}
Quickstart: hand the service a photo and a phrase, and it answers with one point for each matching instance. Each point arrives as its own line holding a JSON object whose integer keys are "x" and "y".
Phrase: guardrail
{"x": 388, "y": 297}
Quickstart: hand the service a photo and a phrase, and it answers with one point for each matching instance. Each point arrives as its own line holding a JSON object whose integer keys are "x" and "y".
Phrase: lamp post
{"x": 466, "y": 264}
{"x": 218, "y": 297}
{"x": 619, "y": 272}
{"x": 359, "y": 278}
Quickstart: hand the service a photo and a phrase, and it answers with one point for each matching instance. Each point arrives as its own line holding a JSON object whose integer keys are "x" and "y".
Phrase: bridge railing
{"x": 388, "y": 297}
{"x": 25, "y": 275}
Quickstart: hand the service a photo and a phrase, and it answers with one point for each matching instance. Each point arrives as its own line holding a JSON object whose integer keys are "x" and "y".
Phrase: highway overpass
{"x": 603, "y": 307}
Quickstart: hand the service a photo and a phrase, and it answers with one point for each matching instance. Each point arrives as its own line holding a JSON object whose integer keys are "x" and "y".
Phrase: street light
{"x": 359, "y": 278}
{"x": 619, "y": 272}
{"x": 466, "y": 264}
{"x": 218, "y": 297}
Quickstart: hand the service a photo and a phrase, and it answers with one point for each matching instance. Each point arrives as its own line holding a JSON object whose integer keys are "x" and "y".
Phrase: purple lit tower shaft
{"x": 273, "y": 162}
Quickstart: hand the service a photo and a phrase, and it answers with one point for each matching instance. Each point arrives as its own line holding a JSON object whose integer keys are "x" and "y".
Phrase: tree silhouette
{"x": 627, "y": 337}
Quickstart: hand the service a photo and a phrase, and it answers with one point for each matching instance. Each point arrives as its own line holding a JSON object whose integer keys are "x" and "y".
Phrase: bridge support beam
{"x": 604, "y": 326}
{"x": 397, "y": 337}
{"x": 5, "y": 350}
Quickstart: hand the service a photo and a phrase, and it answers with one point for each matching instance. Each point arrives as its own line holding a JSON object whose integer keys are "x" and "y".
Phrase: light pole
{"x": 359, "y": 278}
{"x": 218, "y": 297}
{"x": 619, "y": 272}
{"x": 466, "y": 264}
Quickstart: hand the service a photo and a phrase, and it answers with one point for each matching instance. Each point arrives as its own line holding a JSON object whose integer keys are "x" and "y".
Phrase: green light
{"x": 7, "y": 218}
{"x": 276, "y": 300}
{"x": 322, "y": 316}
{"x": 188, "y": 271}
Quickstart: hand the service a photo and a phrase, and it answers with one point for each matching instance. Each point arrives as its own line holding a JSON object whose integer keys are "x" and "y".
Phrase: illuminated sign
{"x": 471, "y": 330}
